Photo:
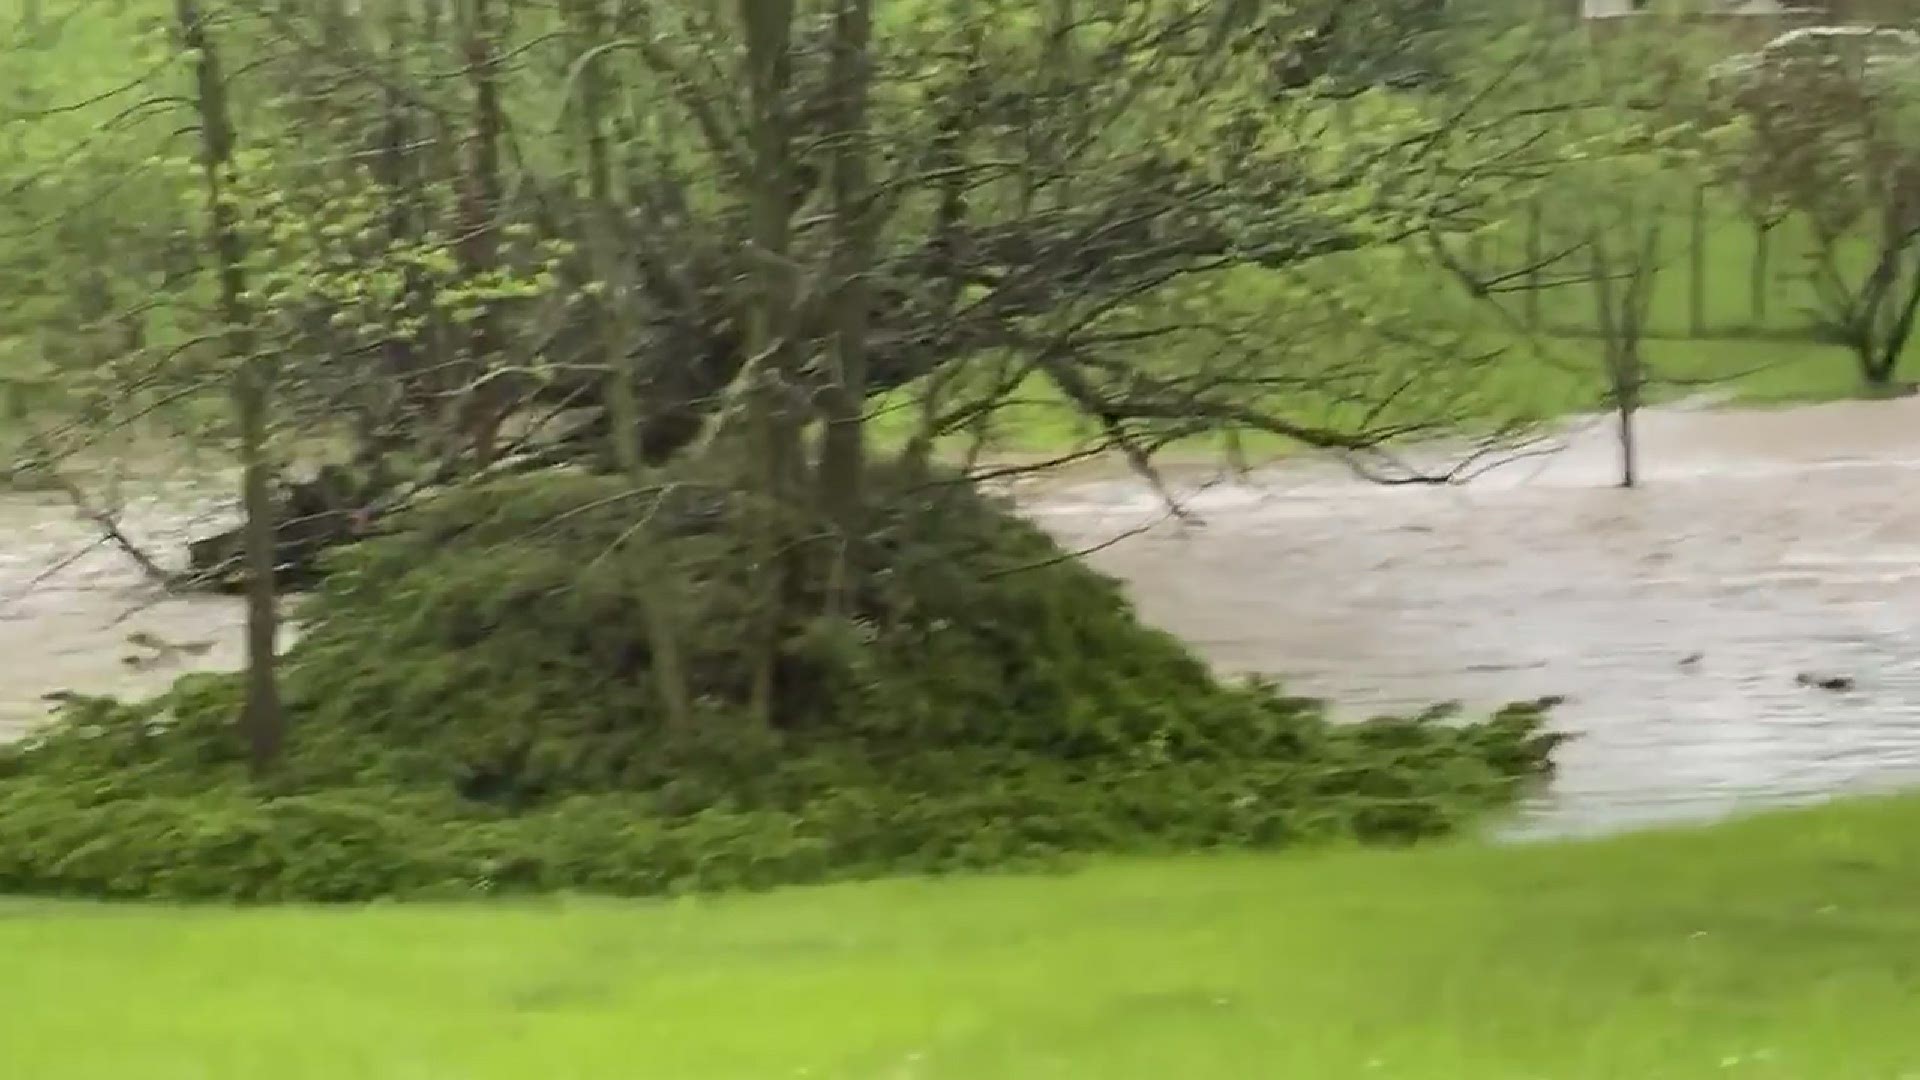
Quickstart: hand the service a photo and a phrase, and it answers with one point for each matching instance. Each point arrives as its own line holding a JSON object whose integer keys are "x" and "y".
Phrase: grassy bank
{"x": 1757, "y": 371}
{"x": 1499, "y": 372}
{"x": 1787, "y": 946}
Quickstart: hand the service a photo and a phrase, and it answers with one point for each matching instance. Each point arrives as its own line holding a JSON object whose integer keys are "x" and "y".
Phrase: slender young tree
{"x": 618, "y": 333}
{"x": 1625, "y": 263}
{"x": 770, "y": 382}
{"x": 262, "y": 718}
{"x": 843, "y": 450}
{"x": 1829, "y": 145}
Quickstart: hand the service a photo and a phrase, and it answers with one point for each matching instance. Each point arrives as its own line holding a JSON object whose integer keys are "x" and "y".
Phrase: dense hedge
{"x": 472, "y": 713}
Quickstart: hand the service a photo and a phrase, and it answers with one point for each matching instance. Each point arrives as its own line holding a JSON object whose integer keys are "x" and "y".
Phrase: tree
{"x": 261, "y": 717}
{"x": 1735, "y": 170}
{"x": 1045, "y": 219}
{"x": 809, "y": 215}
{"x": 1836, "y": 145}
{"x": 1630, "y": 167}
{"x": 1642, "y": 169}
{"x": 613, "y": 314}
{"x": 1624, "y": 257}
{"x": 843, "y": 443}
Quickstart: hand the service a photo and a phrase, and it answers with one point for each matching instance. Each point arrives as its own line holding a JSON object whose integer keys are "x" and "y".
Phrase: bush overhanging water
{"x": 473, "y": 712}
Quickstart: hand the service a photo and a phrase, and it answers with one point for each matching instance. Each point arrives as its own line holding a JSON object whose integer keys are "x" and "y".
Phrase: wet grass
{"x": 1561, "y": 379}
{"x": 1787, "y": 947}
{"x": 1740, "y": 355}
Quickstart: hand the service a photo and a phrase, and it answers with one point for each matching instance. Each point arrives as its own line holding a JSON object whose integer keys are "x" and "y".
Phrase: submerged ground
{"x": 1677, "y": 619}
{"x": 1767, "y": 544}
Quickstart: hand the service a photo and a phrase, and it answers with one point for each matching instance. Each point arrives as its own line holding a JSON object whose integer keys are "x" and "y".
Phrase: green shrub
{"x": 472, "y": 712}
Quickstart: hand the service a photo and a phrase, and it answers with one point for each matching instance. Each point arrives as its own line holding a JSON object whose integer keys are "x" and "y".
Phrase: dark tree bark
{"x": 486, "y": 396}
{"x": 613, "y": 318}
{"x": 769, "y": 379}
{"x": 1623, "y": 279}
{"x": 843, "y": 444}
{"x": 262, "y": 718}
{"x": 1697, "y": 264}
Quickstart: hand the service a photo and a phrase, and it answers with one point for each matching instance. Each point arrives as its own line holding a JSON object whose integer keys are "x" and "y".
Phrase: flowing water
{"x": 77, "y": 614}
{"x": 1677, "y": 619}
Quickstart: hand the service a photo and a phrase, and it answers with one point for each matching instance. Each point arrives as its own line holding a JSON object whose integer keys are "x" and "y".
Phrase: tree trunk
{"x": 391, "y": 401}
{"x": 1629, "y": 449}
{"x": 1536, "y": 254}
{"x": 1697, "y": 255}
{"x": 1757, "y": 284}
{"x": 262, "y": 720}
{"x": 1621, "y": 317}
{"x": 843, "y": 446}
{"x": 617, "y": 338}
{"x": 1875, "y": 371}
{"x": 484, "y": 405}
{"x": 768, "y": 30}
{"x": 1894, "y": 345}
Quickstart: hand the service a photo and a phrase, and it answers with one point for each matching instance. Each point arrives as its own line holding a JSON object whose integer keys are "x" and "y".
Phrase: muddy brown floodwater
{"x": 1677, "y": 619}
{"x": 74, "y": 611}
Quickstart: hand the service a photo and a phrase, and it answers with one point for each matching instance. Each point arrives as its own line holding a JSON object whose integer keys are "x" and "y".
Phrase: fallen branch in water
{"x": 109, "y": 527}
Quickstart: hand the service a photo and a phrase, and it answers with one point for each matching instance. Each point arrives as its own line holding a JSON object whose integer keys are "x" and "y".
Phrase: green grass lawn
{"x": 1550, "y": 371}
{"x": 1787, "y": 946}
{"x": 1564, "y": 380}
{"x": 1726, "y": 304}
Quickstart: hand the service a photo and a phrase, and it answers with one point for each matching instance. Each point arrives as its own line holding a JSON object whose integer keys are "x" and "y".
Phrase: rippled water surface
{"x": 69, "y": 604}
{"x": 1677, "y": 618}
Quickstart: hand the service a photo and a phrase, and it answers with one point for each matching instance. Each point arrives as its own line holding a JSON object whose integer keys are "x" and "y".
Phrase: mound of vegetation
{"x": 476, "y": 707}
